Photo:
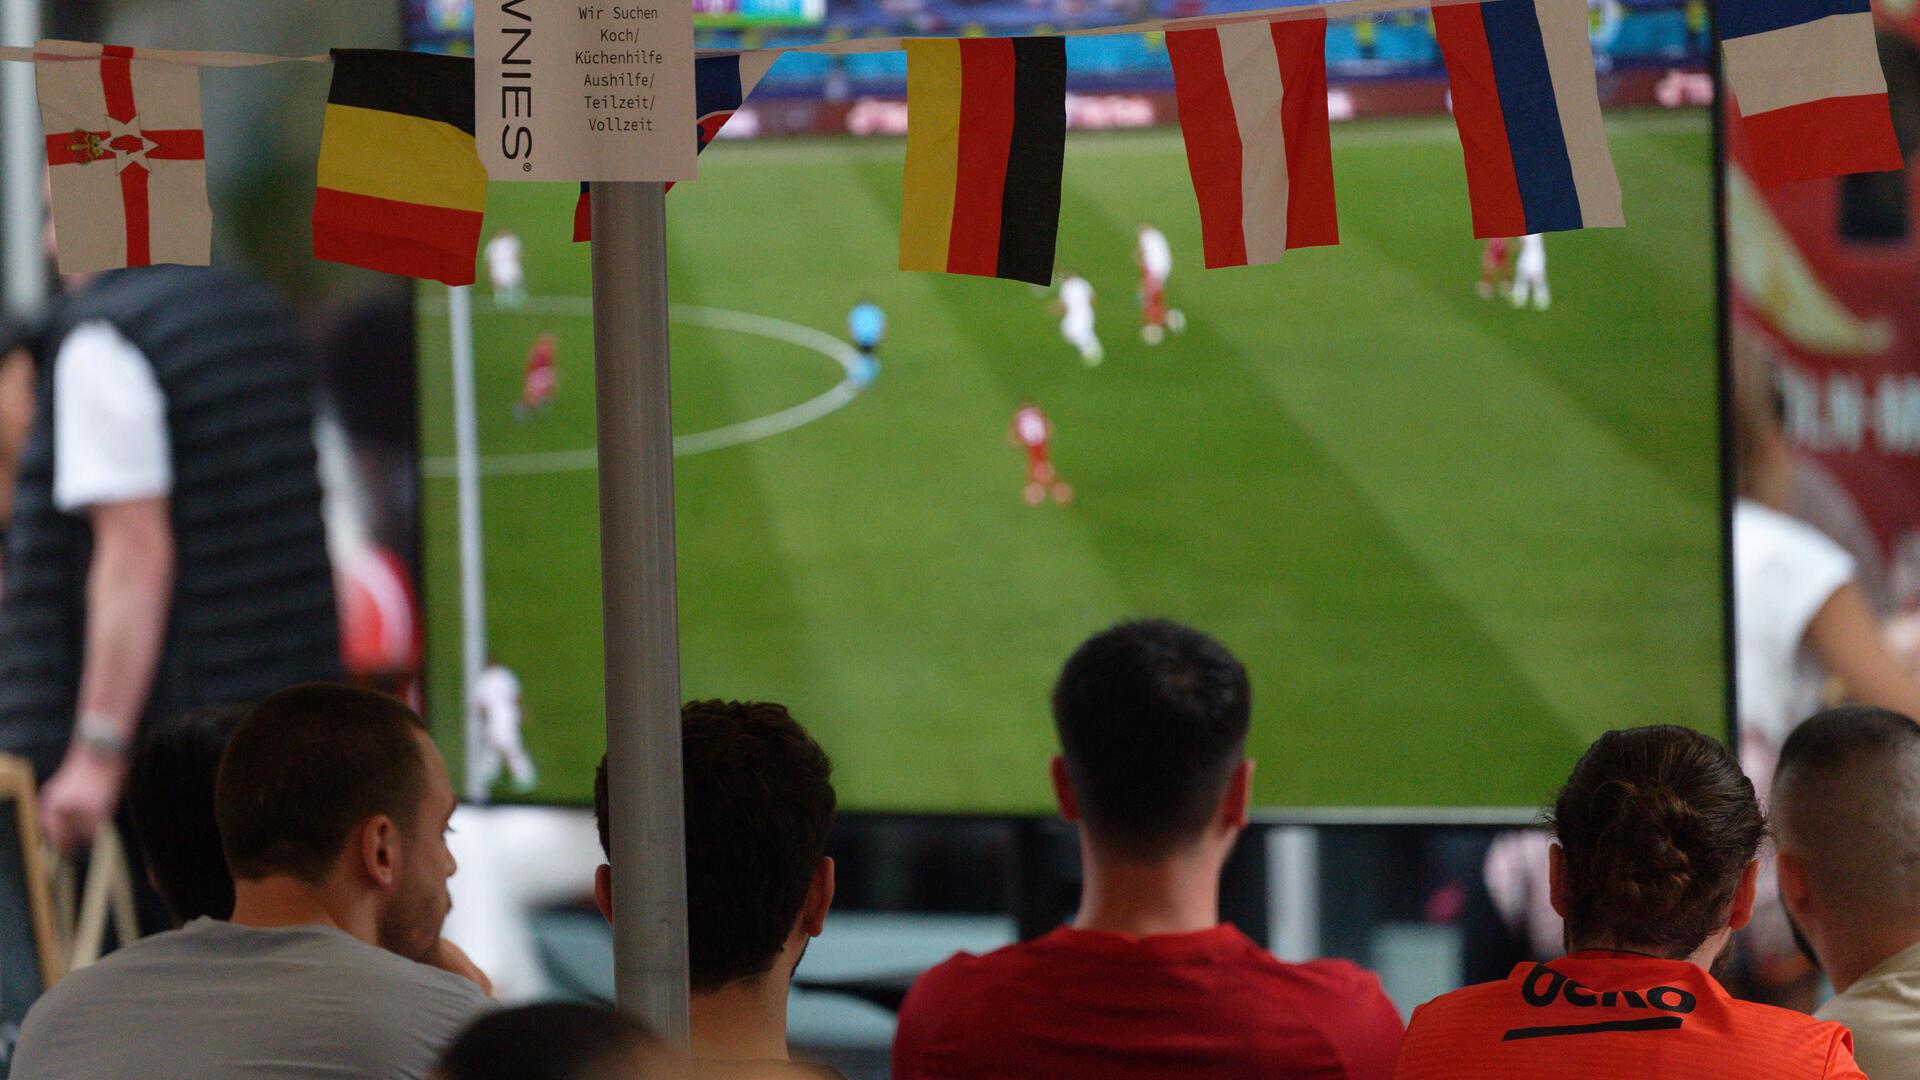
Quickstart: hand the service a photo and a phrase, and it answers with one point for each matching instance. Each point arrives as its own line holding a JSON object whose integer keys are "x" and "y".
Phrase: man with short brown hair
{"x": 333, "y": 805}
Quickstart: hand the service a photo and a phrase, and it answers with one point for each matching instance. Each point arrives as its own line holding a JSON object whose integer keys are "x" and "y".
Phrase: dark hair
{"x": 759, "y": 796}
{"x": 1153, "y": 719}
{"x": 305, "y": 768}
{"x": 170, "y": 798}
{"x": 1657, "y": 824}
{"x": 561, "y": 1040}
{"x": 1846, "y": 804}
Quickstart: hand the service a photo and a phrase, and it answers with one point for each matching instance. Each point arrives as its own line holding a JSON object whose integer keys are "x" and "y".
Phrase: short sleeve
{"x": 1840, "y": 1062}
{"x": 110, "y": 440}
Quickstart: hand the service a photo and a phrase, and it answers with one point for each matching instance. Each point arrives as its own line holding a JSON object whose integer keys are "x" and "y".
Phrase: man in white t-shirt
{"x": 496, "y": 708}
{"x": 1075, "y": 308}
{"x": 504, "y": 271}
{"x": 1154, "y": 256}
{"x": 1530, "y": 275}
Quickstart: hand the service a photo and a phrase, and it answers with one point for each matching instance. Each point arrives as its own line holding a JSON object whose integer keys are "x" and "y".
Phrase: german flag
{"x": 986, "y": 131}
{"x": 401, "y": 184}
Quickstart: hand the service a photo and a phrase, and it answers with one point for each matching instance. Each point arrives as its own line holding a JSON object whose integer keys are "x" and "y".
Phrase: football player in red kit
{"x": 1034, "y": 432}
{"x": 1496, "y": 268}
{"x": 542, "y": 378}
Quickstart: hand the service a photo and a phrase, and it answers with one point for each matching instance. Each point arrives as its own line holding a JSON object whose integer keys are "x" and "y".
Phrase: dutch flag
{"x": 1528, "y": 110}
{"x": 1812, "y": 98}
{"x": 721, "y": 84}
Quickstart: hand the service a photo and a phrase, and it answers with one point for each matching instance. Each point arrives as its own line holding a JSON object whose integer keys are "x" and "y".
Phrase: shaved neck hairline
{"x": 1833, "y": 853}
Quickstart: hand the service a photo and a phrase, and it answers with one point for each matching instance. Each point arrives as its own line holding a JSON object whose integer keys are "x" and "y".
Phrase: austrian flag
{"x": 126, "y": 157}
{"x": 1253, "y": 109}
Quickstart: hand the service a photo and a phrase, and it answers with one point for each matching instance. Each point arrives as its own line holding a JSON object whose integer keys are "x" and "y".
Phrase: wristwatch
{"x": 100, "y": 736}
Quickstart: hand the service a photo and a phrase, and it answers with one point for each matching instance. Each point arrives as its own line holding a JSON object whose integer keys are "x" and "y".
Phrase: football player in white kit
{"x": 504, "y": 272}
{"x": 1154, "y": 256}
{"x": 1075, "y": 308}
{"x": 1530, "y": 275}
{"x": 496, "y": 708}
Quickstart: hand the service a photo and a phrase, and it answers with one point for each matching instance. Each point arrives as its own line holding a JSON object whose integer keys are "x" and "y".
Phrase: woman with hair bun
{"x": 1653, "y": 869}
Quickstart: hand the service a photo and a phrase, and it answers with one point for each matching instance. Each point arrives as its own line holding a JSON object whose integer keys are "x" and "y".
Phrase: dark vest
{"x": 253, "y": 606}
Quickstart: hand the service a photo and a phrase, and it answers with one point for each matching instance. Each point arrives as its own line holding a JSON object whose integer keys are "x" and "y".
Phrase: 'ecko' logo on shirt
{"x": 1544, "y": 986}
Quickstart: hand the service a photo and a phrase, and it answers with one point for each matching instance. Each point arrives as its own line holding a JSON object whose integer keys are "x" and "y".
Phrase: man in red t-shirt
{"x": 1146, "y": 982}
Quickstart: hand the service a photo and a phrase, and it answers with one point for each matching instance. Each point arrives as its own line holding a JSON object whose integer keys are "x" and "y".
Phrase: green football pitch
{"x": 1452, "y": 541}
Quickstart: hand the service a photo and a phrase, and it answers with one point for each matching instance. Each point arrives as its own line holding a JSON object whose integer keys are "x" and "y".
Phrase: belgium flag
{"x": 986, "y": 131}
{"x": 401, "y": 185}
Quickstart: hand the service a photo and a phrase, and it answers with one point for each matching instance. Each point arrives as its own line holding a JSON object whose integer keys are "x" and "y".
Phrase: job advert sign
{"x": 577, "y": 90}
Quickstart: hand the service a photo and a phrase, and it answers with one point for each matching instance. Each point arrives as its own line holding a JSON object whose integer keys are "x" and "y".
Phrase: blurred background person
{"x": 166, "y": 550}
{"x": 1805, "y": 634}
{"x": 170, "y": 801}
{"x": 1654, "y": 868}
{"x": 556, "y": 1041}
{"x": 1846, "y": 819}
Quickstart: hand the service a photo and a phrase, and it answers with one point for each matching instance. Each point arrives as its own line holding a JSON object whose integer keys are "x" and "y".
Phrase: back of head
{"x": 1846, "y": 804}
{"x": 170, "y": 797}
{"x": 760, "y": 801}
{"x": 554, "y": 1041}
{"x": 1153, "y": 720}
{"x": 1657, "y": 825}
{"x": 305, "y": 768}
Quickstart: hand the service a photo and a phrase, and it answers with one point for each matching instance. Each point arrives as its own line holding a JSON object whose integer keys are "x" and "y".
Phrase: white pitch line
{"x": 700, "y": 442}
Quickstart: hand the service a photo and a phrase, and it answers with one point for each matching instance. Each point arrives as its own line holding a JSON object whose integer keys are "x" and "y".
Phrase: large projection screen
{"x": 1452, "y": 539}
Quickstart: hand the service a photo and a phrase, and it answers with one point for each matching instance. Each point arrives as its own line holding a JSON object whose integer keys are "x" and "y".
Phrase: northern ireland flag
{"x": 126, "y": 157}
{"x": 1812, "y": 97}
{"x": 720, "y": 86}
{"x": 1528, "y": 110}
{"x": 1253, "y": 110}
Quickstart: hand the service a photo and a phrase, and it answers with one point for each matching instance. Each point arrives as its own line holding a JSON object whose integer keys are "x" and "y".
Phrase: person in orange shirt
{"x": 1653, "y": 870}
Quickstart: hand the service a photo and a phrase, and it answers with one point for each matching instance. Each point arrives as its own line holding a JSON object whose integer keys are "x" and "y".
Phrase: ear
{"x": 813, "y": 916}
{"x": 1742, "y": 911}
{"x": 1557, "y": 880}
{"x": 1238, "y": 797}
{"x": 603, "y": 892}
{"x": 1796, "y": 891}
{"x": 1063, "y": 790}
{"x": 379, "y": 851}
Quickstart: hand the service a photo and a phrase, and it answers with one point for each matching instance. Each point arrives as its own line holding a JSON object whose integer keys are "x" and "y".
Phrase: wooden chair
{"x": 17, "y": 784}
{"x": 109, "y": 890}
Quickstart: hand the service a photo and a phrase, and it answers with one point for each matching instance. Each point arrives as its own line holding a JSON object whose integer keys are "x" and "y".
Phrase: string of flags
{"x": 400, "y": 186}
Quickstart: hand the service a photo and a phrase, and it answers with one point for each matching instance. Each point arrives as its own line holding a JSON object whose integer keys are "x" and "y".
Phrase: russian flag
{"x": 1528, "y": 111}
{"x": 1253, "y": 111}
{"x": 720, "y": 86}
{"x": 1806, "y": 77}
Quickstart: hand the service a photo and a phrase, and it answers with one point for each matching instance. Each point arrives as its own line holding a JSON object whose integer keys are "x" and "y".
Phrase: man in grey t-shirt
{"x": 333, "y": 807}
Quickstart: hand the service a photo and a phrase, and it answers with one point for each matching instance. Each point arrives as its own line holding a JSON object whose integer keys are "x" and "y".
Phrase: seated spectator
{"x": 170, "y": 799}
{"x": 1653, "y": 869}
{"x": 1846, "y": 819}
{"x": 759, "y": 797}
{"x": 1146, "y": 981}
{"x": 332, "y": 803}
{"x": 555, "y": 1041}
